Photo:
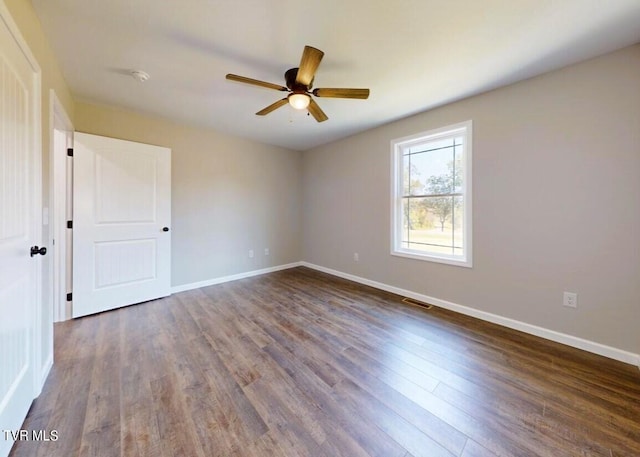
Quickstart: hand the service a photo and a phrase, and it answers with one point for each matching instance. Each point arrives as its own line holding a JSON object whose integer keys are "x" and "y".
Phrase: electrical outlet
{"x": 251, "y": 253}
{"x": 356, "y": 257}
{"x": 570, "y": 299}
{"x": 266, "y": 251}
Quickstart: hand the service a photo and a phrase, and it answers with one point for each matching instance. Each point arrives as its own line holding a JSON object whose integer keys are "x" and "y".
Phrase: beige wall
{"x": 229, "y": 195}
{"x": 556, "y": 195}
{"x": 25, "y": 17}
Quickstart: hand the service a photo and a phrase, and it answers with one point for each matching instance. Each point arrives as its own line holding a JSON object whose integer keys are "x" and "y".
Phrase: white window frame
{"x": 397, "y": 147}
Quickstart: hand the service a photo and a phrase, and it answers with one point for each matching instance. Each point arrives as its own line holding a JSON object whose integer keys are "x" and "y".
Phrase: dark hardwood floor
{"x": 299, "y": 363}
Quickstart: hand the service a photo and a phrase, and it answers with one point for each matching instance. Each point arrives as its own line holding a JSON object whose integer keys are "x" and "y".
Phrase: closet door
{"x": 121, "y": 223}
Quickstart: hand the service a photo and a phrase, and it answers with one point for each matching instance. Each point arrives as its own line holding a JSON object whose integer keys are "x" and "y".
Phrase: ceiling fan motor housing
{"x": 290, "y": 77}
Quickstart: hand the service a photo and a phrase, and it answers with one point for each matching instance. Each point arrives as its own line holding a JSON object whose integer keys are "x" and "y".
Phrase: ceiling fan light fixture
{"x": 299, "y": 101}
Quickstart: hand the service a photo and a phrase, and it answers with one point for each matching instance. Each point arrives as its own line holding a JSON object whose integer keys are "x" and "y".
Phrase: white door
{"x": 121, "y": 223}
{"x": 20, "y": 229}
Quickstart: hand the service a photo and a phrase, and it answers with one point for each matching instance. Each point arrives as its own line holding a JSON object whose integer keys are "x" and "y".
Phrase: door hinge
{"x": 69, "y": 224}
{"x": 70, "y": 152}
{"x": 69, "y": 297}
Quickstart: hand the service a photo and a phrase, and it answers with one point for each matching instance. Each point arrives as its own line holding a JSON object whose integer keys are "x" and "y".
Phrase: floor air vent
{"x": 413, "y": 302}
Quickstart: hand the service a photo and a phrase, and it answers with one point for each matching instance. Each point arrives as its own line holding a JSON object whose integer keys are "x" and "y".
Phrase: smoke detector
{"x": 139, "y": 75}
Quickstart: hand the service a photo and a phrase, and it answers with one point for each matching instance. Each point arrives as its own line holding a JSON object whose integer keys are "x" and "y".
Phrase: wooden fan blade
{"x": 273, "y": 107}
{"x": 342, "y": 93}
{"x": 316, "y": 112}
{"x": 255, "y": 82}
{"x": 309, "y": 62}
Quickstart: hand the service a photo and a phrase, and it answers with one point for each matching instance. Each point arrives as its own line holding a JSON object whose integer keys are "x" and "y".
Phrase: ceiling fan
{"x": 299, "y": 83}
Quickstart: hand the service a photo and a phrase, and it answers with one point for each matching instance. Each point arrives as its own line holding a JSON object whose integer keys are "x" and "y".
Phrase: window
{"x": 432, "y": 195}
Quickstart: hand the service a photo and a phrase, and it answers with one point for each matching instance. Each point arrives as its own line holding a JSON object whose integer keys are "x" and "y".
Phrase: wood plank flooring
{"x": 299, "y": 363}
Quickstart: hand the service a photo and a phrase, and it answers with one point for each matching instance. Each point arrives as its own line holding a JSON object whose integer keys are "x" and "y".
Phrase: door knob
{"x": 165, "y": 229}
{"x": 36, "y": 250}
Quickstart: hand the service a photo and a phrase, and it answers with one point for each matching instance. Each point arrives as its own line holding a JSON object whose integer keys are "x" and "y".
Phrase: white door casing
{"x": 20, "y": 228}
{"x": 121, "y": 223}
{"x": 60, "y": 165}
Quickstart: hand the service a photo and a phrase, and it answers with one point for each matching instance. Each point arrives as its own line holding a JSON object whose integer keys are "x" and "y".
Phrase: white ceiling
{"x": 414, "y": 55}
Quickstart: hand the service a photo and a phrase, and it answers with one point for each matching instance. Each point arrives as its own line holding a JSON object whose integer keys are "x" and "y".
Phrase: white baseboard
{"x": 45, "y": 373}
{"x": 569, "y": 340}
{"x": 221, "y": 279}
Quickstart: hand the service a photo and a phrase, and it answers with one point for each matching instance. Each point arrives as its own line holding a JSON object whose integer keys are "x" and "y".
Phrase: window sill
{"x": 433, "y": 258}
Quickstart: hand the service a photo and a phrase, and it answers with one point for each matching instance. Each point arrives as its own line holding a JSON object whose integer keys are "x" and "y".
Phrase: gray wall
{"x": 229, "y": 195}
{"x": 556, "y": 202}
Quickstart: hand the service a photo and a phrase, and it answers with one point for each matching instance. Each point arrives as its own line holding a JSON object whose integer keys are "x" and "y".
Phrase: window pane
{"x": 457, "y": 170}
{"x": 441, "y": 211}
{"x": 411, "y": 179}
{"x": 458, "y": 224}
{"x": 405, "y": 175}
{"x": 435, "y": 170}
{"x": 416, "y": 215}
{"x": 427, "y": 225}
